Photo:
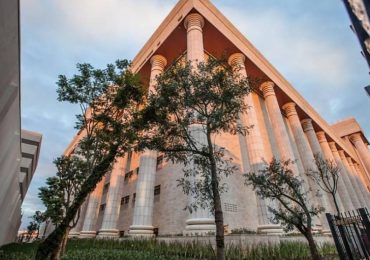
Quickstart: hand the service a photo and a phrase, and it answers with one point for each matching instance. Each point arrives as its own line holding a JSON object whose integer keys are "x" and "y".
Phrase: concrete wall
{"x": 10, "y": 152}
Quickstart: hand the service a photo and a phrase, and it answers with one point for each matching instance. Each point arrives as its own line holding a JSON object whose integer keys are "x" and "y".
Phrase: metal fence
{"x": 351, "y": 234}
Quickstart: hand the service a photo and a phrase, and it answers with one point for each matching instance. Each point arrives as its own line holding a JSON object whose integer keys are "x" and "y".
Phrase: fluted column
{"x": 92, "y": 211}
{"x": 343, "y": 185}
{"x": 143, "y": 211}
{"x": 255, "y": 147}
{"x": 328, "y": 155}
{"x": 350, "y": 179}
{"x": 362, "y": 149}
{"x": 113, "y": 200}
{"x": 305, "y": 153}
{"x": 357, "y": 181}
{"x": 364, "y": 190}
{"x": 316, "y": 149}
{"x": 202, "y": 220}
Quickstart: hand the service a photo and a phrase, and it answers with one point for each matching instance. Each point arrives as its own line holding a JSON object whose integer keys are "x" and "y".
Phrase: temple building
{"x": 140, "y": 196}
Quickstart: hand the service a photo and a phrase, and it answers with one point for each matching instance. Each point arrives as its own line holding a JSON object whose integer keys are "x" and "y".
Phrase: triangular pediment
{"x": 222, "y": 38}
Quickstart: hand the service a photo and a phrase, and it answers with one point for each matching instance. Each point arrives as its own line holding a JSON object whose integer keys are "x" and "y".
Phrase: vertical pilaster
{"x": 113, "y": 201}
{"x": 92, "y": 211}
{"x": 202, "y": 220}
{"x": 143, "y": 211}
{"x": 255, "y": 149}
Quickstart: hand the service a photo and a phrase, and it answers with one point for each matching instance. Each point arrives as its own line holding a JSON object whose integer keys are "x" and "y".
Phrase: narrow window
{"x": 157, "y": 190}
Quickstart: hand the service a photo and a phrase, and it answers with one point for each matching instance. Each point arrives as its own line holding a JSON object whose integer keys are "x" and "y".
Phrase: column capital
{"x": 267, "y": 88}
{"x": 194, "y": 21}
{"x": 290, "y": 109}
{"x": 355, "y": 137}
{"x": 333, "y": 147}
{"x": 321, "y": 136}
{"x": 349, "y": 159}
{"x": 307, "y": 124}
{"x": 236, "y": 59}
{"x": 342, "y": 154}
{"x": 158, "y": 62}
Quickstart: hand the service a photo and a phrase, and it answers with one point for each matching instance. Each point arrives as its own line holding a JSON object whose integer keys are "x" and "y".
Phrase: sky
{"x": 309, "y": 42}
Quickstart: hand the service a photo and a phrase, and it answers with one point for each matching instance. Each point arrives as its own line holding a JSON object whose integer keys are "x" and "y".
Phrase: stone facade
{"x": 141, "y": 198}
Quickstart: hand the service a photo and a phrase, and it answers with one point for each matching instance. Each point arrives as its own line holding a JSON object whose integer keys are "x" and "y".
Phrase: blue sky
{"x": 309, "y": 42}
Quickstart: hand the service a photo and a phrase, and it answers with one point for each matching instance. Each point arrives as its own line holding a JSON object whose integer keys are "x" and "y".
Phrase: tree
{"x": 191, "y": 107}
{"x": 60, "y": 191}
{"x": 326, "y": 176}
{"x": 31, "y": 230}
{"x": 108, "y": 100}
{"x": 278, "y": 183}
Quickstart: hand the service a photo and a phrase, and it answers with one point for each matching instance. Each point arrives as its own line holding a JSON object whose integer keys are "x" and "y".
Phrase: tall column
{"x": 364, "y": 190}
{"x": 343, "y": 185}
{"x": 202, "y": 220}
{"x": 349, "y": 179}
{"x": 278, "y": 126}
{"x": 357, "y": 183}
{"x": 316, "y": 149}
{"x": 329, "y": 157}
{"x": 143, "y": 211}
{"x": 305, "y": 153}
{"x": 113, "y": 200}
{"x": 92, "y": 211}
{"x": 75, "y": 232}
{"x": 362, "y": 149}
{"x": 255, "y": 147}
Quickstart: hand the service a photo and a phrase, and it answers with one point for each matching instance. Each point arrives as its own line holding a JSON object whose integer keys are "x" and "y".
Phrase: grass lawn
{"x": 151, "y": 249}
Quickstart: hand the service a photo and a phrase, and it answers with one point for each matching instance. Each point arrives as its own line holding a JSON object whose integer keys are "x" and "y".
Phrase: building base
{"x": 199, "y": 227}
{"x": 87, "y": 234}
{"x": 73, "y": 234}
{"x": 141, "y": 231}
{"x": 108, "y": 233}
{"x": 270, "y": 229}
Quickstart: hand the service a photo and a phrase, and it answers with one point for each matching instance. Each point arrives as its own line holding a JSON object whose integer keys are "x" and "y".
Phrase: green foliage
{"x": 61, "y": 189}
{"x": 190, "y": 106}
{"x": 154, "y": 249}
{"x": 278, "y": 183}
{"x": 108, "y": 99}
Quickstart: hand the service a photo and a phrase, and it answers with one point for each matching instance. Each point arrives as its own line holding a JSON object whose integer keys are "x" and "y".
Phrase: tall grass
{"x": 154, "y": 249}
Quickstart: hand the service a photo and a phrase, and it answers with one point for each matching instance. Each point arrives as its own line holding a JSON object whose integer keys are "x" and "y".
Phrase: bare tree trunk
{"x": 219, "y": 218}
{"x": 312, "y": 245}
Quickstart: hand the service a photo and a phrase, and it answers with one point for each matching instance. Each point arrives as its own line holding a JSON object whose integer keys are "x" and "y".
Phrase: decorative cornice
{"x": 321, "y": 137}
{"x": 158, "y": 62}
{"x": 267, "y": 89}
{"x": 290, "y": 109}
{"x": 194, "y": 21}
